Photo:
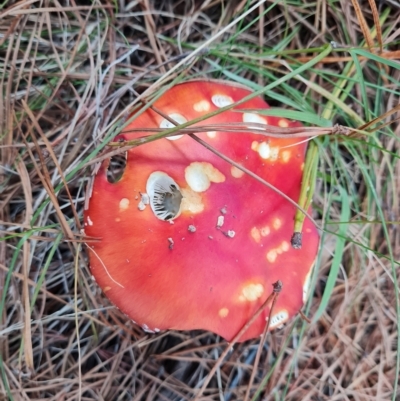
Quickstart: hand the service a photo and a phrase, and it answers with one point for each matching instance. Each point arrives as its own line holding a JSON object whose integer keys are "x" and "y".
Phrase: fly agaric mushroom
{"x": 204, "y": 251}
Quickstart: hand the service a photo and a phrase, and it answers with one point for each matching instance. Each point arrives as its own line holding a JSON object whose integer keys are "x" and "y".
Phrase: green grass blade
{"x": 361, "y": 82}
{"x": 5, "y": 380}
{"x": 338, "y": 254}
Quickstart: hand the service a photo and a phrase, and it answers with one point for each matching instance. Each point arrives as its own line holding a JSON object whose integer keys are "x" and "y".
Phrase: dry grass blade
{"x": 255, "y": 128}
{"x": 151, "y": 29}
{"x": 27, "y": 338}
{"x": 382, "y": 117}
{"x": 47, "y": 293}
{"x": 45, "y": 176}
{"x": 363, "y": 25}
{"x": 277, "y": 289}
{"x": 378, "y": 27}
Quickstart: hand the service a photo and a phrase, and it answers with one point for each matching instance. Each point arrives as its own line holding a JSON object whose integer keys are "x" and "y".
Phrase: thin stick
{"x": 234, "y": 127}
{"x": 277, "y": 287}
{"x": 255, "y": 176}
{"x": 240, "y": 167}
{"x": 78, "y": 341}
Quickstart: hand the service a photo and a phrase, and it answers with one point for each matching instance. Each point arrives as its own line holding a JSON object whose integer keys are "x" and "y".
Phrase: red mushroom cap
{"x": 205, "y": 251}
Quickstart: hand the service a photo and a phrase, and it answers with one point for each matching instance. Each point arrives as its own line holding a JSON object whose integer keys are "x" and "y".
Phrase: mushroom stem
{"x": 306, "y": 193}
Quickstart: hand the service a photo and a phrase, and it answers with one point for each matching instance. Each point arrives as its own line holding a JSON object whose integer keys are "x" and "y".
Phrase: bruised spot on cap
{"x": 202, "y": 106}
{"x": 272, "y": 255}
{"x": 286, "y": 156}
{"x": 255, "y": 234}
{"x": 283, "y": 123}
{"x": 236, "y": 172}
{"x": 223, "y": 312}
{"x": 123, "y": 204}
{"x": 265, "y": 231}
{"x": 285, "y": 246}
{"x": 251, "y": 292}
{"x": 192, "y": 201}
{"x": 277, "y": 223}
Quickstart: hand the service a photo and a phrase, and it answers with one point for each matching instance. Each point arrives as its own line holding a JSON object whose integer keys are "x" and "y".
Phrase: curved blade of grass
{"x": 378, "y": 59}
{"x": 361, "y": 82}
{"x": 338, "y": 253}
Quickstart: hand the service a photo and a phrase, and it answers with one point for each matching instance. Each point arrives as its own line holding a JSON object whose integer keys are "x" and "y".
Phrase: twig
{"x": 276, "y": 289}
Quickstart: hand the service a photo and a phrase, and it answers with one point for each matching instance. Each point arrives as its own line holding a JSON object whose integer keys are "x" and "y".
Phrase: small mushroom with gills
{"x": 200, "y": 283}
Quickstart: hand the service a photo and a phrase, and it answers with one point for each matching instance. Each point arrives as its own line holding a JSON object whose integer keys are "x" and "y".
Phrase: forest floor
{"x": 70, "y": 72}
